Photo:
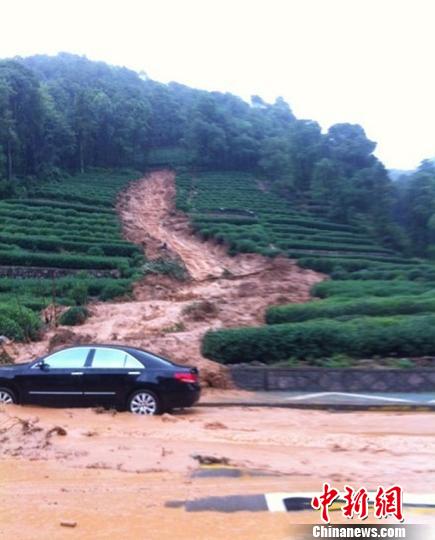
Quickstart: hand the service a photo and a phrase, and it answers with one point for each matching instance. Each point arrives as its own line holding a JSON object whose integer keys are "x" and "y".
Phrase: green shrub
{"x": 320, "y": 338}
{"x": 74, "y": 316}
{"x": 79, "y": 293}
{"x": 19, "y": 322}
{"x": 10, "y": 328}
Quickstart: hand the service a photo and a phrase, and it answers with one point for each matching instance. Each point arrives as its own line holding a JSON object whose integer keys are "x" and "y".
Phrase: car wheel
{"x": 144, "y": 402}
{"x": 7, "y": 397}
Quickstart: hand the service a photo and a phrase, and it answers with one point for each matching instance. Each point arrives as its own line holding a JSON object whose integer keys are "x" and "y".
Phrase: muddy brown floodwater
{"x": 112, "y": 474}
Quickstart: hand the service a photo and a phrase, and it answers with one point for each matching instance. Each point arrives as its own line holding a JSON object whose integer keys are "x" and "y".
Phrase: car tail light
{"x": 186, "y": 377}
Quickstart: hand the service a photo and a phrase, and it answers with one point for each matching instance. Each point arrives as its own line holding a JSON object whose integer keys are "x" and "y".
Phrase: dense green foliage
{"x": 414, "y": 208}
{"x": 68, "y": 224}
{"x": 359, "y": 337}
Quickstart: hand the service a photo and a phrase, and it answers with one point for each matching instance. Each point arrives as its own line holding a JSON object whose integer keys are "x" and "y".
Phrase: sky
{"x": 360, "y": 61}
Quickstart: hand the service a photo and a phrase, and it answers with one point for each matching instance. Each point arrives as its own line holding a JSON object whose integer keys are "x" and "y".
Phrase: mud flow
{"x": 169, "y": 316}
{"x": 116, "y": 474}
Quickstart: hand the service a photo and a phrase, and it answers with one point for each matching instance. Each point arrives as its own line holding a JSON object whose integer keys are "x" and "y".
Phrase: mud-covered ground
{"x": 113, "y": 473}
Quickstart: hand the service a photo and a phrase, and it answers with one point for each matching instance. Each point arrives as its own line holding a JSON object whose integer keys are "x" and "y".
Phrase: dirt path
{"x": 170, "y": 317}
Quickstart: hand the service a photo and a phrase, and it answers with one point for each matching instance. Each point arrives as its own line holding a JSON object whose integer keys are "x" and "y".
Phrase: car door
{"x": 56, "y": 380}
{"x": 109, "y": 376}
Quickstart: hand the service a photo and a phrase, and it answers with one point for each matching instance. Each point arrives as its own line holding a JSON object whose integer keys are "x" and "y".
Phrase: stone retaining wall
{"x": 334, "y": 380}
{"x": 41, "y": 272}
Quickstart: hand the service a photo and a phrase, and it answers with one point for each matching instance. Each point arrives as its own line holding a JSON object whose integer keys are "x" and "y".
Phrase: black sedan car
{"x": 107, "y": 375}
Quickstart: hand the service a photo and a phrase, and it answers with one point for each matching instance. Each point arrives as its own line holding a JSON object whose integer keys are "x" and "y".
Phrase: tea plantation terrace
{"x": 69, "y": 227}
{"x": 379, "y": 302}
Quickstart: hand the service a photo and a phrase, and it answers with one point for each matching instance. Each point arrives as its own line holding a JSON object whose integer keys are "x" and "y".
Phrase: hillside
{"x": 260, "y": 188}
{"x": 67, "y": 114}
{"x": 169, "y": 315}
{"x": 211, "y": 274}
{"x": 379, "y": 303}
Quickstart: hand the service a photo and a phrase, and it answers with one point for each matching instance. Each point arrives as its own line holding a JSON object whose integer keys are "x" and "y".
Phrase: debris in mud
{"x": 28, "y": 427}
{"x": 70, "y": 524}
{"x": 210, "y": 460}
{"x": 105, "y": 410}
{"x": 8, "y": 351}
{"x": 200, "y": 311}
{"x": 24, "y": 437}
{"x": 247, "y": 288}
{"x": 215, "y": 425}
{"x": 99, "y": 465}
{"x": 168, "y": 418}
{"x": 173, "y": 328}
{"x": 218, "y": 377}
{"x": 58, "y": 430}
{"x": 338, "y": 448}
{"x": 67, "y": 337}
{"x": 51, "y": 313}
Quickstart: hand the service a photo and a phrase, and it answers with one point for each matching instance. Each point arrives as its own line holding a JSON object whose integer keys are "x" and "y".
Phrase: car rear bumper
{"x": 187, "y": 398}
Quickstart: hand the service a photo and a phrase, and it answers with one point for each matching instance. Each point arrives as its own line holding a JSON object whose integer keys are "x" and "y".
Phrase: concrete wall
{"x": 335, "y": 380}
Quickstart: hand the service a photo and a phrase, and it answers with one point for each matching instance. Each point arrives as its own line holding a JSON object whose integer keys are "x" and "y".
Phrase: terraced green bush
{"x": 332, "y": 309}
{"x": 359, "y": 338}
{"x": 231, "y": 220}
{"x": 333, "y": 264}
{"x": 24, "y": 204}
{"x": 26, "y": 258}
{"x": 357, "y": 289}
{"x": 41, "y": 243}
{"x": 333, "y": 246}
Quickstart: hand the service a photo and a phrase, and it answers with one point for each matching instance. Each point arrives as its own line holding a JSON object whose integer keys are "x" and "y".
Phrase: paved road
{"x": 338, "y": 400}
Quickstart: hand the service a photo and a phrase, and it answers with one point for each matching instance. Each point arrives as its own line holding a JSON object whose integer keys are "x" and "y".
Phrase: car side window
{"x": 114, "y": 359}
{"x": 131, "y": 362}
{"x": 68, "y": 359}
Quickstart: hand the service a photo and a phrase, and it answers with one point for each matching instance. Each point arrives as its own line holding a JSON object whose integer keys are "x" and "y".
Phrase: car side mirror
{"x": 43, "y": 366}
